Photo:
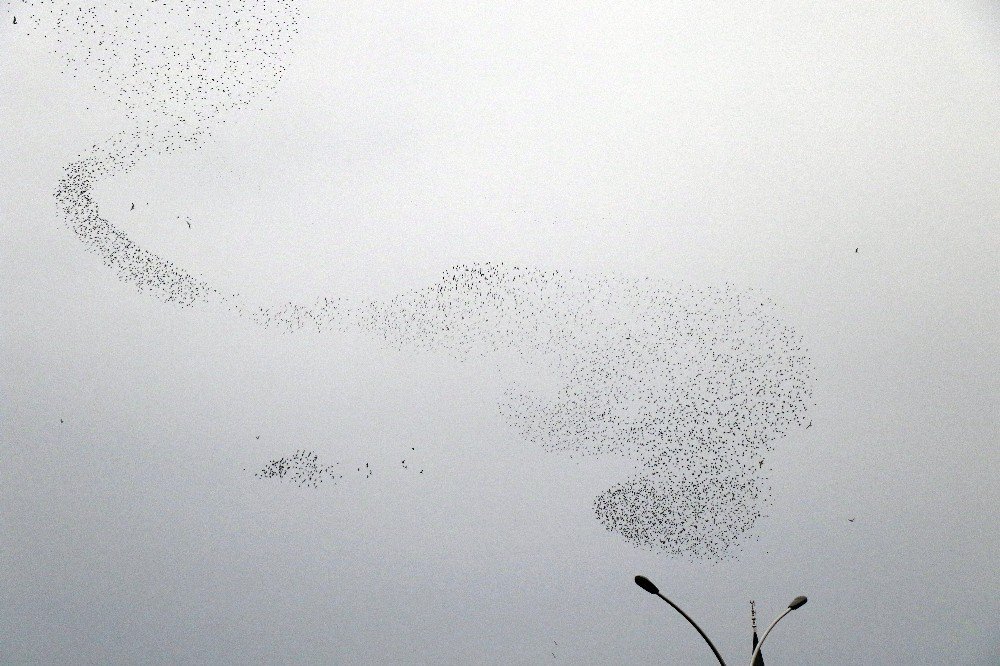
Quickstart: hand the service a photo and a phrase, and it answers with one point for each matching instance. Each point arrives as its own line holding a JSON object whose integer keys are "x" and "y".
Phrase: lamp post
{"x": 648, "y": 586}
{"x": 797, "y": 602}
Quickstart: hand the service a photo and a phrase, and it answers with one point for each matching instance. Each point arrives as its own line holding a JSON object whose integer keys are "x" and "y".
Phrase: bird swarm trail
{"x": 693, "y": 384}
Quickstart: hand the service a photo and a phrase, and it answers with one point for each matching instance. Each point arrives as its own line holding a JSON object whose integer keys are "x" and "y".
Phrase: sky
{"x": 841, "y": 159}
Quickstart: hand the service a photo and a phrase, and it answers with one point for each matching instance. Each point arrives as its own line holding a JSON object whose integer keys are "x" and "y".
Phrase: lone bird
{"x": 133, "y": 207}
{"x": 850, "y": 520}
{"x": 855, "y": 250}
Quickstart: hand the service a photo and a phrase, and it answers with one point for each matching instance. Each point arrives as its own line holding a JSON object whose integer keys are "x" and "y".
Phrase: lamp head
{"x": 648, "y": 585}
{"x": 798, "y": 602}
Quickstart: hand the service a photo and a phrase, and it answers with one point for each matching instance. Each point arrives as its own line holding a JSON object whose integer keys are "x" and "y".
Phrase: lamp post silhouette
{"x": 797, "y": 602}
{"x": 648, "y": 585}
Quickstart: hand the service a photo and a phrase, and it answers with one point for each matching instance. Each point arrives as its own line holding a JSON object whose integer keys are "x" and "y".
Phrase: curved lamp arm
{"x": 797, "y": 602}
{"x": 647, "y": 585}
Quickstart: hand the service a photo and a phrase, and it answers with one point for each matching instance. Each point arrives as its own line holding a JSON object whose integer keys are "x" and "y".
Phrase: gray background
{"x": 752, "y": 144}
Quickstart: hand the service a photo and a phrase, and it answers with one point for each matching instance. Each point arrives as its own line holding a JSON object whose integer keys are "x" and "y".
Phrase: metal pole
{"x": 761, "y": 644}
{"x": 695, "y": 625}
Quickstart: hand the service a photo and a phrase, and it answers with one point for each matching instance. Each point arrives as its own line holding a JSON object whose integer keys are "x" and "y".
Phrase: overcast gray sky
{"x": 757, "y": 144}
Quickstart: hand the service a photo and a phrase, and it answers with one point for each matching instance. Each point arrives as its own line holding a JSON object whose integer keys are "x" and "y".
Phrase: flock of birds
{"x": 175, "y": 68}
{"x": 301, "y": 468}
{"x": 693, "y": 384}
{"x": 304, "y": 469}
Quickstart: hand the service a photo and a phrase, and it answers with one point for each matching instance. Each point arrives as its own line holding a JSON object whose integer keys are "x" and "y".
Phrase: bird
{"x": 189, "y": 224}
{"x": 15, "y": 20}
{"x": 856, "y": 250}
{"x": 133, "y": 207}
{"x": 60, "y": 420}
{"x": 258, "y": 437}
{"x": 810, "y": 424}
{"x": 850, "y": 520}
{"x": 760, "y": 464}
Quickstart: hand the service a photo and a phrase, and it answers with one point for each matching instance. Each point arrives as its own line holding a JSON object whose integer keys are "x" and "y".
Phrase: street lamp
{"x": 648, "y": 586}
{"x": 797, "y": 602}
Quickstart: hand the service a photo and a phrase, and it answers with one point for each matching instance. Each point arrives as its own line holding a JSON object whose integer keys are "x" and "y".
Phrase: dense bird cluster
{"x": 693, "y": 384}
{"x": 133, "y": 264}
{"x": 175, "y": 67}
{"x": 301, "y": 468}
